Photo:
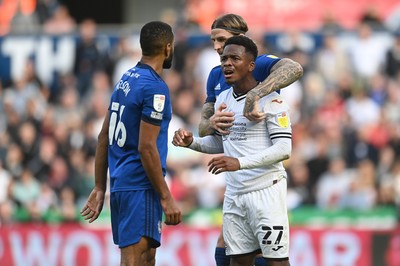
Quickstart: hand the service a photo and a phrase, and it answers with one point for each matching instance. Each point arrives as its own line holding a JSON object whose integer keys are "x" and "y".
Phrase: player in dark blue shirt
{"x": 272, "y": 72}
{"x": 132, "y": 145}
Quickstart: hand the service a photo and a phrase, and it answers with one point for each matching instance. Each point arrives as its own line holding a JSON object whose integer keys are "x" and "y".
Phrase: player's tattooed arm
{"x": 283, "y": 73}
{"x": 205, "y": 127}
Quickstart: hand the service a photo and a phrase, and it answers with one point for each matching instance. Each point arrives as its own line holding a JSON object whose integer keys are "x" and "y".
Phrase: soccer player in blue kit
{"x": 132, "y": 145}
{"x": 272, "y": 72}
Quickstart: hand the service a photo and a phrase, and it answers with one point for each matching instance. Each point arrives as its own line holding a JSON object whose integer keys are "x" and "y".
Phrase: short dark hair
{"x": 154, "y": 36}
{"x": 244, "y": 41}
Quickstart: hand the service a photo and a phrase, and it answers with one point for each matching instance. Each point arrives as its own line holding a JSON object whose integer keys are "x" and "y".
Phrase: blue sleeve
{"x": 155, "y": 98}
{"x": 212, "y": 82}
{"x": 264, "y": 63}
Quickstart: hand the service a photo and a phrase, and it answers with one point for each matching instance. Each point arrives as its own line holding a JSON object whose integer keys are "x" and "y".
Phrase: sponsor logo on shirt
{"x": 156, "y": 115}
{"x": 277, "y": 101}
{"x": 158, "y": 102}
{"x": 132, "y": 74}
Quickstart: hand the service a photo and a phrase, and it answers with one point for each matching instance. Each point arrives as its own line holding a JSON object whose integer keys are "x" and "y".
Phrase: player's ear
{"x": 168, "y": 49}
{"x": 252, "y": 66}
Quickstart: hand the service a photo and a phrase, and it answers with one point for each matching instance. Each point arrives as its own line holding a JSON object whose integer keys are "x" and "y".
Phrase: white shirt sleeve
{"x": 279, "y": 151}
{"x": 211, "y": 144}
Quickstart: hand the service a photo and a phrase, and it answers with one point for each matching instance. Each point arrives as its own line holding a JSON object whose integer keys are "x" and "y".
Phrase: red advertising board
{"x": 74, "y": 245}
{"x": 278, "y": 15}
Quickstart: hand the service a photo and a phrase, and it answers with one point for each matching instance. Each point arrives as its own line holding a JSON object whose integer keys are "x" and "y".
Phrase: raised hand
{"x": 182, "y": 138}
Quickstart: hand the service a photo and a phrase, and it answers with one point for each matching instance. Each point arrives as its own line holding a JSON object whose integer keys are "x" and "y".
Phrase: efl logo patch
{"x": 158, "y": 102}
{"x": 283, "y": 119}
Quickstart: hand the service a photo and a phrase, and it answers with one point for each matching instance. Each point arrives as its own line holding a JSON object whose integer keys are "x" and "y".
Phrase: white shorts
{"x": 257, "y": 220}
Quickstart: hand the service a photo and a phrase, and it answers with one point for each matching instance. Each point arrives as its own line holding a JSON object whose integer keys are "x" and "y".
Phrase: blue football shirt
{"x": 140, "y": 94}
{"x": 216, "y": 82}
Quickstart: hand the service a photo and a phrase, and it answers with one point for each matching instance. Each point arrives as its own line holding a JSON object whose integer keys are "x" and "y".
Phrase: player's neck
{"x": 244, "y": 86}
{"x": 154, "y": 62}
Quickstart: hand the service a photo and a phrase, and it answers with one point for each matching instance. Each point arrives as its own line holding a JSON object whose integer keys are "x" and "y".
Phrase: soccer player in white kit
{"x": 254, "y": 213}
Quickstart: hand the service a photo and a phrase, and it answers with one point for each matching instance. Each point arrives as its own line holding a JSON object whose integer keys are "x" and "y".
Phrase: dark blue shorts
{"x": 135, "y": 214}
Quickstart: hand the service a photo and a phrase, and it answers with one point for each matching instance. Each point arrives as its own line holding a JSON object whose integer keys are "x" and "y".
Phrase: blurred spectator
{"x": 314, "y": 92}
{"x": 396, "y": 181}
{"x": 88, "y": 56}
{"x": 13, "y": 162}
{"x": 377, "y": 89}
{"x": 331, "y": 60}
{"x": 40, "y": 165}
{"x": 5, "y": 181}
{"x": 299, "y": 189}
{"x": 206, "y": 60}
{"x": 372, "y": 17}
{"x": 366, "y": 52}
{"x": 59, "y": 22}
{"x": 392, "y": 63}
{"x": 45, "y": 9}
{"x": 387, "y": 159}
{"x": 16, "y": 97}
{"x": 25, "y": 20}
{"x": 362, "y": 194}
{"x": 334, "y": 185}
{"x": 29, "y": 141}
{"x": 329, "y": 23}
{"x": 361, "y": 109}
{"x": 331, "y": 113}
{"x": 295, "y": 40}
{"x": 7, "y": 210}
{"x": 318, "y": 164}
{"x": 386, "y": 171}
{"x": 25, "y": 191}
{"x": 59, "y": 176}
{"x": 125, "y": 56}
{"x": 68, "y": 208}
{"x": 46, "y": 202}
{"x": 359, "y": 147}
{"x": 391, "y": 107}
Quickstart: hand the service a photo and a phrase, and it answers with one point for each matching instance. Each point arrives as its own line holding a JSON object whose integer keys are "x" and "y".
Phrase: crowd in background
{"x": 345, "y": 114}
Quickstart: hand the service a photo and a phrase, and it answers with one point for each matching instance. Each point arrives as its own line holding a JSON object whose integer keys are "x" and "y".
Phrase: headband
{"x": 230, "y": 29}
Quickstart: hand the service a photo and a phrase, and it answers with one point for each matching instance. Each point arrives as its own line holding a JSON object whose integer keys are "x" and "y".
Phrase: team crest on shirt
{"x": 283, "y": 119}
{"x": 158, "y": 102}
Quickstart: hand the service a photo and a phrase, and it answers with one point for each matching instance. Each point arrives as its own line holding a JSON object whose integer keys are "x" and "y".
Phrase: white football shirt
{"x": 248, "y": 140}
